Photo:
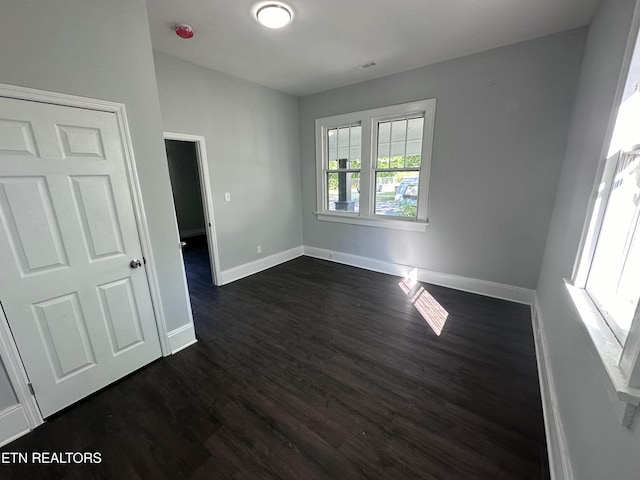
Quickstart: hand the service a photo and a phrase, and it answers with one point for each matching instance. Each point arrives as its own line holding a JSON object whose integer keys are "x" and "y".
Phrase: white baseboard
{"x": 192, "y": 232}
{"x": 241, "y": 271}
{"x": 182, "y": 337}
{"x": 559, "y": 462}
{"x": 473, "y": 285}
{"x": 13, "y": 424}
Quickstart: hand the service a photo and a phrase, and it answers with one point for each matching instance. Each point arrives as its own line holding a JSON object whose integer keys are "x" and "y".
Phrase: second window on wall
{"x": 373, "y": 165}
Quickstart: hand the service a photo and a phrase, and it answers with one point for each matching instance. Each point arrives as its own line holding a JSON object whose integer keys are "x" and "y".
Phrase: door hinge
{"x": 30, "y": 385}
{"x": 144, "y": 260}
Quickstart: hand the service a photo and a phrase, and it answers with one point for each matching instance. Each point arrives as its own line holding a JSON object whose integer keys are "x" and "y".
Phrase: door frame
{"x": 8, "y": 348}
{"x": 207, "y": 200}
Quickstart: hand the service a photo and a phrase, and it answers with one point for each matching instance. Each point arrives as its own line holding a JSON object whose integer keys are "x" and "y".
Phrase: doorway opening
{"x": 189, "y": 176}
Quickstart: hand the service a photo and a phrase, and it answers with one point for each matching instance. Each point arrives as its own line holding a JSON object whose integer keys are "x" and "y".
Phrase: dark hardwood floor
{"x": 315, "y": 370}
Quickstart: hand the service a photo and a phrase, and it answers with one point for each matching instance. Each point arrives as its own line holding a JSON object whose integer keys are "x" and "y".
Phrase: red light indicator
{"x": 183, "y": 30}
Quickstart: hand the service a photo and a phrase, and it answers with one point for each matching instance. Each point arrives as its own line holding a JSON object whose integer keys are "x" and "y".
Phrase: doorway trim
{"x": 8, "y": 348}
{"x": 18, "y": 377}
{"x": 207, "y": 200}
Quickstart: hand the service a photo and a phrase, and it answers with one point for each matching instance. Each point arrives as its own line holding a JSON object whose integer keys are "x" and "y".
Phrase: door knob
{"x": 135, "y": 263}
{"x": 183, "y": 244}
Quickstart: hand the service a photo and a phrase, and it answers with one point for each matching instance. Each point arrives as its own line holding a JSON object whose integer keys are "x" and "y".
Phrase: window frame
{"x": 618, "y": 364}
{"x": 369, "y": 120}
{"x": 607, "y": 184}
{"x": 621, "y": 360}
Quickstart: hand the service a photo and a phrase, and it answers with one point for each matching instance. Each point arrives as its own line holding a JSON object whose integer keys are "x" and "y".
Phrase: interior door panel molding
{"x": 86, "y": 144}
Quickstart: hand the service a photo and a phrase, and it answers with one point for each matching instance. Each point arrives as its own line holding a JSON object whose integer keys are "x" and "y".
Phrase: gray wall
{"x": 185, "y": 183}
{"x": 500, "y": 130}
{"x": 251, "y": 134}
{"x": 102, "y": 50}
{"x": 599, "y": 446}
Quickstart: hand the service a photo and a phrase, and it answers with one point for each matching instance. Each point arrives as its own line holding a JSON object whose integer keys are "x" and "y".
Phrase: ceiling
{"x": 328, "y": 39}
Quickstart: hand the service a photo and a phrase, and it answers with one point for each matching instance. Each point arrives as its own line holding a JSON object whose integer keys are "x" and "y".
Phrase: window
{"x": 373, "y": 166}
{"x": 613, "y": 281}
{"x": 605, "y": 286}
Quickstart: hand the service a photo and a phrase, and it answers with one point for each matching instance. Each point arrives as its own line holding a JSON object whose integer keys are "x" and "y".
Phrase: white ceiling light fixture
{"x": 274, "y": 14}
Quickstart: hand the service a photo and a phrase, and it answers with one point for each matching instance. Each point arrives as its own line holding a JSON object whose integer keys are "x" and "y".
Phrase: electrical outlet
{"x": 259, "y": 249}
{"x": 227, "y": 196}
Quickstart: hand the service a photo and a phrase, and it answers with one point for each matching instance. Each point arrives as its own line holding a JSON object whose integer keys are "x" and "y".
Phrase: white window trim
{"x": 369, "y": 119}
{"x": 376, "y": 221}
{"x": 620, "y": 365}
{"x": 607, "y": 352}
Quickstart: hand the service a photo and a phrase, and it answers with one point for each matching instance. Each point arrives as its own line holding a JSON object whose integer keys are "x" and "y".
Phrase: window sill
{"x": 608, "y": 351}
{"x": 407, "y": 225}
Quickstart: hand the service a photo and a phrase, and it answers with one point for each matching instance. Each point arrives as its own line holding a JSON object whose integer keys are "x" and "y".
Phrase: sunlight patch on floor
{"x": 434, "y": 314}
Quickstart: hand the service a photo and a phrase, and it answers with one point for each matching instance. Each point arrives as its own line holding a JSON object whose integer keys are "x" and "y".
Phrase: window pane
{"x": 384, "y": 139}
{"x": 354, "y": 153}
{"x": 343, "y": 137}
{"x": 614, "y": 278}
{"x": 343, "y": 143}
{"x": 355, "y": 146}
{"x": 413, "y": 160}
{"x": 342, "y": 191}
{"x": 397, "y": 149}
{"x": 344, "y": 147}
{"x": 399, "y": 131}
{"x": 383, "y": 162}
{"x": 332, "y": 147}
{"x": 396, "y": 162}
{"x": 332, "y": 138}
{"x": 397, "y": 193}
{"x": 356, "y": 136}
{"x": 400, "y": 143}
{"x": 414, "y": 142}
{"x": 414, "y": 129}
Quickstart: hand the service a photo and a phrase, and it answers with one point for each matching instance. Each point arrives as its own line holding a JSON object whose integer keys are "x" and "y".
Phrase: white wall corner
{"x": 465, "y": 284}
{"x": 13, "y": 424}
{"x": 242, "y": 271}
{"x": 182, "y": 337}
{"x": 559, "y": 459}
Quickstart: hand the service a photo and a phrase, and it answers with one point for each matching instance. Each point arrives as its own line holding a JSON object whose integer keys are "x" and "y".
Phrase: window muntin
{"x": 613, "y": 282}
{"x": 373, "y": 166}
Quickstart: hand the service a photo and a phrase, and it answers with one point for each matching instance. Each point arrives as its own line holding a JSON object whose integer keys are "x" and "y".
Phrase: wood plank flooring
{"x": 314, "y": 370}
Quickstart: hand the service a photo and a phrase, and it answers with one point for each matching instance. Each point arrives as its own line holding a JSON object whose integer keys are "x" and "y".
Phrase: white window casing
{"x": 369, "y": 121}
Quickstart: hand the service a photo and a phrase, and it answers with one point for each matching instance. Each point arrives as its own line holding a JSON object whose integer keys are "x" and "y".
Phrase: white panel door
{"x": 80, "y": 314}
